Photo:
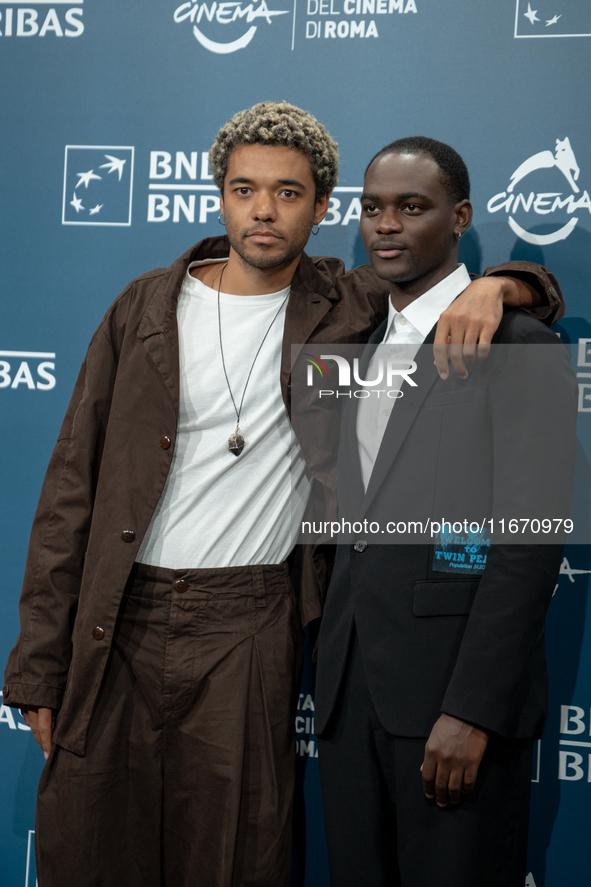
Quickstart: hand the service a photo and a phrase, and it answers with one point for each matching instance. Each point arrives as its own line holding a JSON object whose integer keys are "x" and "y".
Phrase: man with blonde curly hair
{"x": 159, "y": 659}
{"x": 284, "y": 125}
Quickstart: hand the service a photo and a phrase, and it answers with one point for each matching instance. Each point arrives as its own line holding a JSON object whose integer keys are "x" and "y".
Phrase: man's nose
{"x": 264, "y": 207}
{"x": 389, "y": 221}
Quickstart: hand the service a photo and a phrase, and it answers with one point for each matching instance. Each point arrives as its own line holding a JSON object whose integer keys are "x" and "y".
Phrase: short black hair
{"x": 455, "y": 177}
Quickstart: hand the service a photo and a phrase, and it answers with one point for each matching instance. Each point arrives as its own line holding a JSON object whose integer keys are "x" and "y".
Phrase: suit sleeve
{"x": 542, "y": 280}
{"x": 38, "y": 664}
{"x": 499, "y": 654}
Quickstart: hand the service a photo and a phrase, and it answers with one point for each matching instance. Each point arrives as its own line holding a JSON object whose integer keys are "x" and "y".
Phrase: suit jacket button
{"x": 360, "y": 546}
{"x": 180, "y": 585}
{"x": 128, "y": 535}
{"x": 6, "y": 691}
{"x": 98, "y": 633}
{"x": 165, "y": 442}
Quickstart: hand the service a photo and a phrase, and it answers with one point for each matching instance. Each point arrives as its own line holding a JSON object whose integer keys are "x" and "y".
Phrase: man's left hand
{"x": 452, "y": 758}
{"x": 473, "y": 319}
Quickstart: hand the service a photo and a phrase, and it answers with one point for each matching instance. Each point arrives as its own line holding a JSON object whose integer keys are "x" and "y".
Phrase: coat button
{"x": 128, "y": 535}
{"x": 98, "y": 633}
{"x": 360, "y": 546}
{"x": 165, "y": 442}
{"x": 6, "y": 691}
{"x": 181, "y": 585}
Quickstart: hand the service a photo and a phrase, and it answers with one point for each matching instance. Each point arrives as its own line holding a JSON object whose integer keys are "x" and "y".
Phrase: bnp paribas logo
{"x": 553, "y": 18}
{"x": 230, "y": 25}
{"x": 41, "y": 18}
{"x": 98, "y": 185}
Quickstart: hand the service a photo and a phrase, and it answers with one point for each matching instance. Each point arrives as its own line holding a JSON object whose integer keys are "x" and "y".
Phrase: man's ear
{"x": 221, "y": 204}
{"x": 321, "y": 208}
{"x": 463, "y": 213}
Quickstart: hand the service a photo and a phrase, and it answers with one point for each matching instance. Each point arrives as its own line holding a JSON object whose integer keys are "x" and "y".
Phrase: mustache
{"x": 266, "y": 230}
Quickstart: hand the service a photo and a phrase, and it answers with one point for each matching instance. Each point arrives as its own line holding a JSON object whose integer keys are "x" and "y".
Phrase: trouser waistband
{"x": 252, "y": 579}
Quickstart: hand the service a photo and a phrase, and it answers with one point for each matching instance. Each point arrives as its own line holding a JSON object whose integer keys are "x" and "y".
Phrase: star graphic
{"x": 76, "y": 203}
{"x": 85, "y": 177}
{"x": 116, "y": 165}
{"x": 96, "y": 209}
{"x": 553, "y": 20}
{"x": 531, "y": 14}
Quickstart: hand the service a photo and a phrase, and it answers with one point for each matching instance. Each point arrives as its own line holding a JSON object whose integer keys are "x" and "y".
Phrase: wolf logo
{"x": 563, "y": 158}
{"x": 225, "y": 16}
{"x": 544, "y": 204}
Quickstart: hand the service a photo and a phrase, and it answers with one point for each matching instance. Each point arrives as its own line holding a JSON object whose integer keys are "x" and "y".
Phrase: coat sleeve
{"x": 542, "y": 280}
{"x": 38, "y": 664}
{"x": 501, "y": 654}
{"x": 363, "y": 287}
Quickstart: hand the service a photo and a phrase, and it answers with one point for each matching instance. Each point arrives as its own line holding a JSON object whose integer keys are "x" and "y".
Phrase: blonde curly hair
{"x": 278, "y": 123}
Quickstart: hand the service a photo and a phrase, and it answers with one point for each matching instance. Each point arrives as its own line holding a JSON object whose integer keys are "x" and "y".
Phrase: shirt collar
{"x": 425, "y": 311}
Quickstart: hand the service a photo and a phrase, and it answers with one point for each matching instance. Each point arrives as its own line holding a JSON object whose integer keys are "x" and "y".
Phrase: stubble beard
{"x": 293, "y": 247}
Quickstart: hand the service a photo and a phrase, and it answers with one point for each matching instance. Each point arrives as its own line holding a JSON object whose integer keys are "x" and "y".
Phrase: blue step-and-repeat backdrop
{"x": 108, "y": 112}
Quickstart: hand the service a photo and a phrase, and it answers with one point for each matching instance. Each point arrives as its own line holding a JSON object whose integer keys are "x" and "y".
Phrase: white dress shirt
{"x": 407, "y": 330}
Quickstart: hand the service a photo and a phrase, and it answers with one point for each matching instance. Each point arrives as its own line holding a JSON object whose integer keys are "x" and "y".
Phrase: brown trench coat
{"x": 111, "y": 461}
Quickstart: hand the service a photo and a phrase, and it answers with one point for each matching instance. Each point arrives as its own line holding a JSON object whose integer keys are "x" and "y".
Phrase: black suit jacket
{"x": 431, "y": 641}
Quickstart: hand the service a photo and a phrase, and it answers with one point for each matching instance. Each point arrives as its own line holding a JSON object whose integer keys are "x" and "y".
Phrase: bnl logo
{"x": 98, "y": 185}
{"x": 574, "y": 764}
{"x": 553, "y": 18}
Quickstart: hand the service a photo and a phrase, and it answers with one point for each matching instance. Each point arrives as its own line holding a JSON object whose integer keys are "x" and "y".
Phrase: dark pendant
{"x": 236, "y": 443}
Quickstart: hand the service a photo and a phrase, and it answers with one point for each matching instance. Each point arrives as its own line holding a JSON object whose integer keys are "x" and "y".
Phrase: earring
{"x": 317, "y": 229}
{"x": 459, "y": 235}
{"x": 221, "y": 220}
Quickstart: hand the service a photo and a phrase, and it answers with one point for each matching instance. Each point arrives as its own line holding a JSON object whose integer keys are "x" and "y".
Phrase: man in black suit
{"x": 431, "y": 682}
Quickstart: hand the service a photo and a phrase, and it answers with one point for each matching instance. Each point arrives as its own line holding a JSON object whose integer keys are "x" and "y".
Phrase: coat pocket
{"x": 444, "y": 598}
{"x": 449, "y": 398}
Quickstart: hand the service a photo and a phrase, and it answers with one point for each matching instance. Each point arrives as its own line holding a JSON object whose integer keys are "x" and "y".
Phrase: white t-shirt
{"x": 217, "y": 509}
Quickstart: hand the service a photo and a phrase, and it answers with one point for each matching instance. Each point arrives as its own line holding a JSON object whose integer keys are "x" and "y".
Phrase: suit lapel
{"x": 350, "y": 482}
{"x": 351, "y": 490}
{"x": 402, "y": 418}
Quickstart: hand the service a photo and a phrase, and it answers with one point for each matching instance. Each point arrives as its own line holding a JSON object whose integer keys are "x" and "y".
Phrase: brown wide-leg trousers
{"x": 188, "y": 775}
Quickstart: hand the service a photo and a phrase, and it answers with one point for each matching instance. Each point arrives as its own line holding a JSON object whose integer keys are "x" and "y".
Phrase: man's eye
{"x": 287, "y": 192}
{"x": 243, "y": 191}
{"x": 412, "y": 207}
{"x": 371, "y": 208}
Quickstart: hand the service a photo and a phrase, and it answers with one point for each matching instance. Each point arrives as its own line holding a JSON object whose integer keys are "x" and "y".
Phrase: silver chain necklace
{"x": 236, "y": 442}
